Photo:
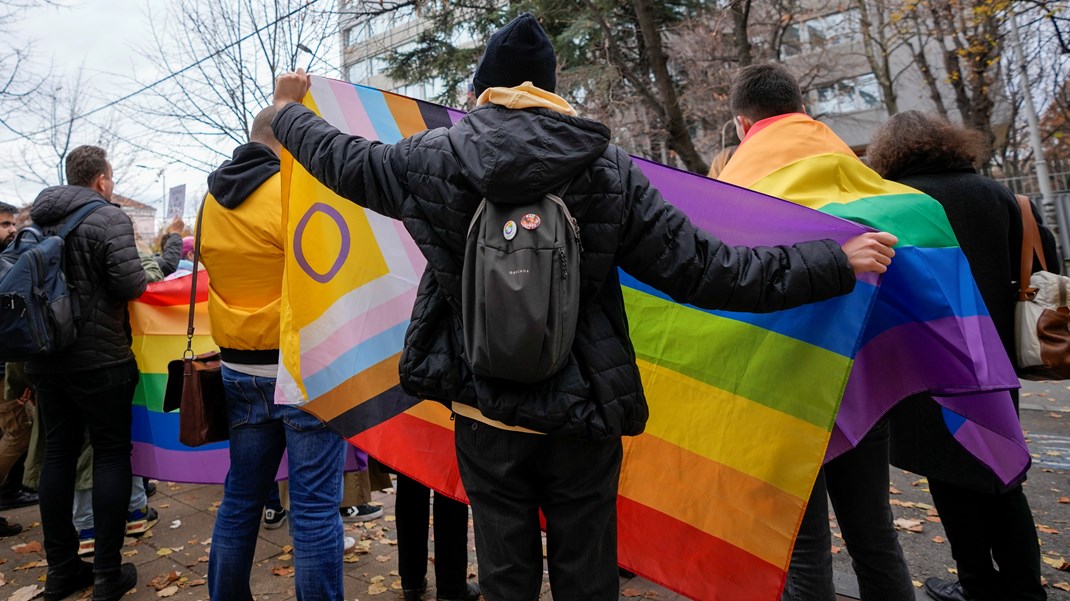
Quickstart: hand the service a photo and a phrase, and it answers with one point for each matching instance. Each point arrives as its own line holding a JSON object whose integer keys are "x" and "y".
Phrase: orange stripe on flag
{"x": 362, "y": 387}
{"x": 407, "y": 114}
{"x": 714, "y": 498}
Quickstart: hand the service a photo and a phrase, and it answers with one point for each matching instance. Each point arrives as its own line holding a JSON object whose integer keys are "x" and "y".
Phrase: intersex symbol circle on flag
{"x": 298, "y": 242}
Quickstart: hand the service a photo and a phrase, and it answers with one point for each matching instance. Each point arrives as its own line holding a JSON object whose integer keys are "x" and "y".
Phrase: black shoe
{"x": 113, "y": 585}
{"x": 60, "y": 586}
{"x": 22, "y": 499}
{"x": 9, "y": 529}
{"x": 150, "y": 487}
{"x": 942, "y": 590}
{"x": 415, "y": 594}
{"x": 470, "y": 593}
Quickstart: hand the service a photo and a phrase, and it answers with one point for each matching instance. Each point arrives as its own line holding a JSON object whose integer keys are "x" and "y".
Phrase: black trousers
{"x": 451, "y": 538}
{"x": 70, "y": 404}
{"x": 983, "y": 528}
{"x": 857, "y": 484}
{"x": 511, "y": 476}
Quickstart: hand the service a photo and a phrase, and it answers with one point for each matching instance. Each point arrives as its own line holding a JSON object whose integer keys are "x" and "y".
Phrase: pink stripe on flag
{"x": 353, "y": 109}
{"x": 358, "y": 329}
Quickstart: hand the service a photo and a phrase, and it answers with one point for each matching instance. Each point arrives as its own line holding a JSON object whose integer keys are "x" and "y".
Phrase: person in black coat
{"x": 984, "y": 520}
{"x": 553, "y": 445}
{"x": 90, "y": 385}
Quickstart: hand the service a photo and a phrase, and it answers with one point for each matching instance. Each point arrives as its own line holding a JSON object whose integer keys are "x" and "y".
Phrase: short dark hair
{"x": 913, "y": 137}
{"x": 261, "y": 129}
{"x": 85, "y": 163}
{"x": 6, "y": 208}
{"x": 763, "y": 91}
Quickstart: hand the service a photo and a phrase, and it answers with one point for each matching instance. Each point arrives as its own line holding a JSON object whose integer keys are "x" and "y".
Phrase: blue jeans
{"x": 260, "y": 431}
{"x": 83, "y": 503}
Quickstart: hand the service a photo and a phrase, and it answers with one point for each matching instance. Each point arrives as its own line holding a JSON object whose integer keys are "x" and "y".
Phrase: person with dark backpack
{"x": 89, "y": 383}
{"x": 543, "y": 434}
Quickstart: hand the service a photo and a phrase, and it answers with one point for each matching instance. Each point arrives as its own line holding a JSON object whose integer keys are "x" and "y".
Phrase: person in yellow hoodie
{"x": 242, "y": 249}
{"x": 552, "y": 445}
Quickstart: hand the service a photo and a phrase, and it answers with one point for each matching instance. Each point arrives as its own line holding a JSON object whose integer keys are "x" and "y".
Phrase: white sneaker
{"x": 350, "y": 544}
{"x": 274, "y": 519}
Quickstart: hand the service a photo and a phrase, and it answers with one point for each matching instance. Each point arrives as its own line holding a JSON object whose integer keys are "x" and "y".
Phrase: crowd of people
{"x": 561, "y": 457}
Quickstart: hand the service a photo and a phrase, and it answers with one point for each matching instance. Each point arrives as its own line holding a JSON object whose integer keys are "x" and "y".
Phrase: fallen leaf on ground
{"x": 916, "y": 583}
{"x": 894, "y": 490}
{"x": 198, "y": 582}
{"x": 1063, "y": 586}
{"x": 176, "y": 524}
{"x": 33, "y": 564}
{"x": 836, "y": 550}
{"x": 30, "y": 547}
{"x": 130, "y": 553}
{"x": 1057, "y": 563}
{"x": 909, "y": 525}
{"x": 163, "y": 580}
{"x": 382, "y": 558}
{"x": 938, "y": 540}
{"x": 377, "y": 588}
{"x": 286, "y": 571}
{"x": 952, "y": 570}
{"x": 286, "y": 557}
{"x": 26, "y": 593}
{"x": 167, "y": 592}
{"x": 1046, "y": 529}
{"x": 164, "y": 551}
{"x": 1064, "y": 499}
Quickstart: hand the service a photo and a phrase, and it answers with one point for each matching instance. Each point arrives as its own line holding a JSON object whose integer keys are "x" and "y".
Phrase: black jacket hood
{"x": 251, "y": 164}
{"x": 55, "y": 203}
{"x": 498, "y": 147}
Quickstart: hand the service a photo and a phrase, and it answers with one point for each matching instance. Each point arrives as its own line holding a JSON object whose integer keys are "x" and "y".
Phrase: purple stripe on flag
{"x": 197, "y": 467}
{"x": 991, "y": 432}
{"x": 744, "y": 217}
{"x": 945, "y": 356}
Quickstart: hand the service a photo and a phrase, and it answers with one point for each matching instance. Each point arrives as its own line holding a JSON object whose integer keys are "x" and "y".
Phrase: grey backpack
{"x": 521, "y": 289}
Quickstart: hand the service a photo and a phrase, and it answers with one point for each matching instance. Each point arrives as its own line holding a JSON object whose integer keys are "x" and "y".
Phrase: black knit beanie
{"x": 521, "y": 51}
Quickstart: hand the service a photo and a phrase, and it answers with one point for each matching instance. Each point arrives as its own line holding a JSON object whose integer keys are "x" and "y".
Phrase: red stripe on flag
{"x": 175, "y": 292}
{"x": 419, "y": 449}
{"x": 686, "y": 560}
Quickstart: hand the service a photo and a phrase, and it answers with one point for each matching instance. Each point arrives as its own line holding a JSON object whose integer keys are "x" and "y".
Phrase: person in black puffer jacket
{"x": 89, "y": 385}
{"x": 553, "y": 445}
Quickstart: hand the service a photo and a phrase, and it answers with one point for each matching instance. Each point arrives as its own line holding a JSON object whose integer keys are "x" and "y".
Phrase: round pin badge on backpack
{"x": 509, "y": 231}
{"x": 530, "y": 221}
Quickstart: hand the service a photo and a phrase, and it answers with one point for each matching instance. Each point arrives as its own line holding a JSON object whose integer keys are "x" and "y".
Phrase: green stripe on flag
{"x": 916, "y": 219}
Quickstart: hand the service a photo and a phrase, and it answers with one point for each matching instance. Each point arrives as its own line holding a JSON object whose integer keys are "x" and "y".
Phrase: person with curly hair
{"x": 984, "y": 520}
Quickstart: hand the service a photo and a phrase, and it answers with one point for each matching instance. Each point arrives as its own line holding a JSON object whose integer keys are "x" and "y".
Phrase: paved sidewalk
{"x": 175, "y": 554}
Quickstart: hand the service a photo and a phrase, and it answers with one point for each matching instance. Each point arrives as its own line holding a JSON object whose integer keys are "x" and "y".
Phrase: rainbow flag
{"x": 930, "y": 329}
{"x": 742, "y": 405}
{"x": 158, "y": 322}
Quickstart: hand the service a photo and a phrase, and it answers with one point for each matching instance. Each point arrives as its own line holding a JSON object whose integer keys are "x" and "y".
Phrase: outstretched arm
{"x": 661, "y": 247}
{"x": 353, "y": 167}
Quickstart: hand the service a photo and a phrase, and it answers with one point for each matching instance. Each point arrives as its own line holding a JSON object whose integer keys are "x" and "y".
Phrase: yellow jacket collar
{"x": 526, "y": 96}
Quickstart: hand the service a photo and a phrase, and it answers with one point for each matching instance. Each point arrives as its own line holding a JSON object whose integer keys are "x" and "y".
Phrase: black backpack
{"x": 521, "y": 289}
{"x": 38, "y": 313}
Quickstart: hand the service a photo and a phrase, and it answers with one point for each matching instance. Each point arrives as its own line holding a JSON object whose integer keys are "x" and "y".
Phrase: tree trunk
{"x": 679, "y": 138}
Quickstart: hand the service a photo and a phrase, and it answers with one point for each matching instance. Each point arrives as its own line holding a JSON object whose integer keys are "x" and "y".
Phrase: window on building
{"x": 846, "y": 96}
{"x": 822, "y": 32}
{"x": 358, "y": 71}
{"x": 356, "y": 34}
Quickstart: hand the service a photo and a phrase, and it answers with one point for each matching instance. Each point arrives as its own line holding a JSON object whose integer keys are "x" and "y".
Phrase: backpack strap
{"x": 75, "y": 218}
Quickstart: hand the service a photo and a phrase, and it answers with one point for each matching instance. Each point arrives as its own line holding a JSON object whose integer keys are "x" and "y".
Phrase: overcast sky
{"x": 108, "y": 37}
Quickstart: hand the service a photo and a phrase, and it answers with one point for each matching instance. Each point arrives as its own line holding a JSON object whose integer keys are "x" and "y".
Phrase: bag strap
{"x": 1030, "y": 247}
{"x": 188, "y": 354}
